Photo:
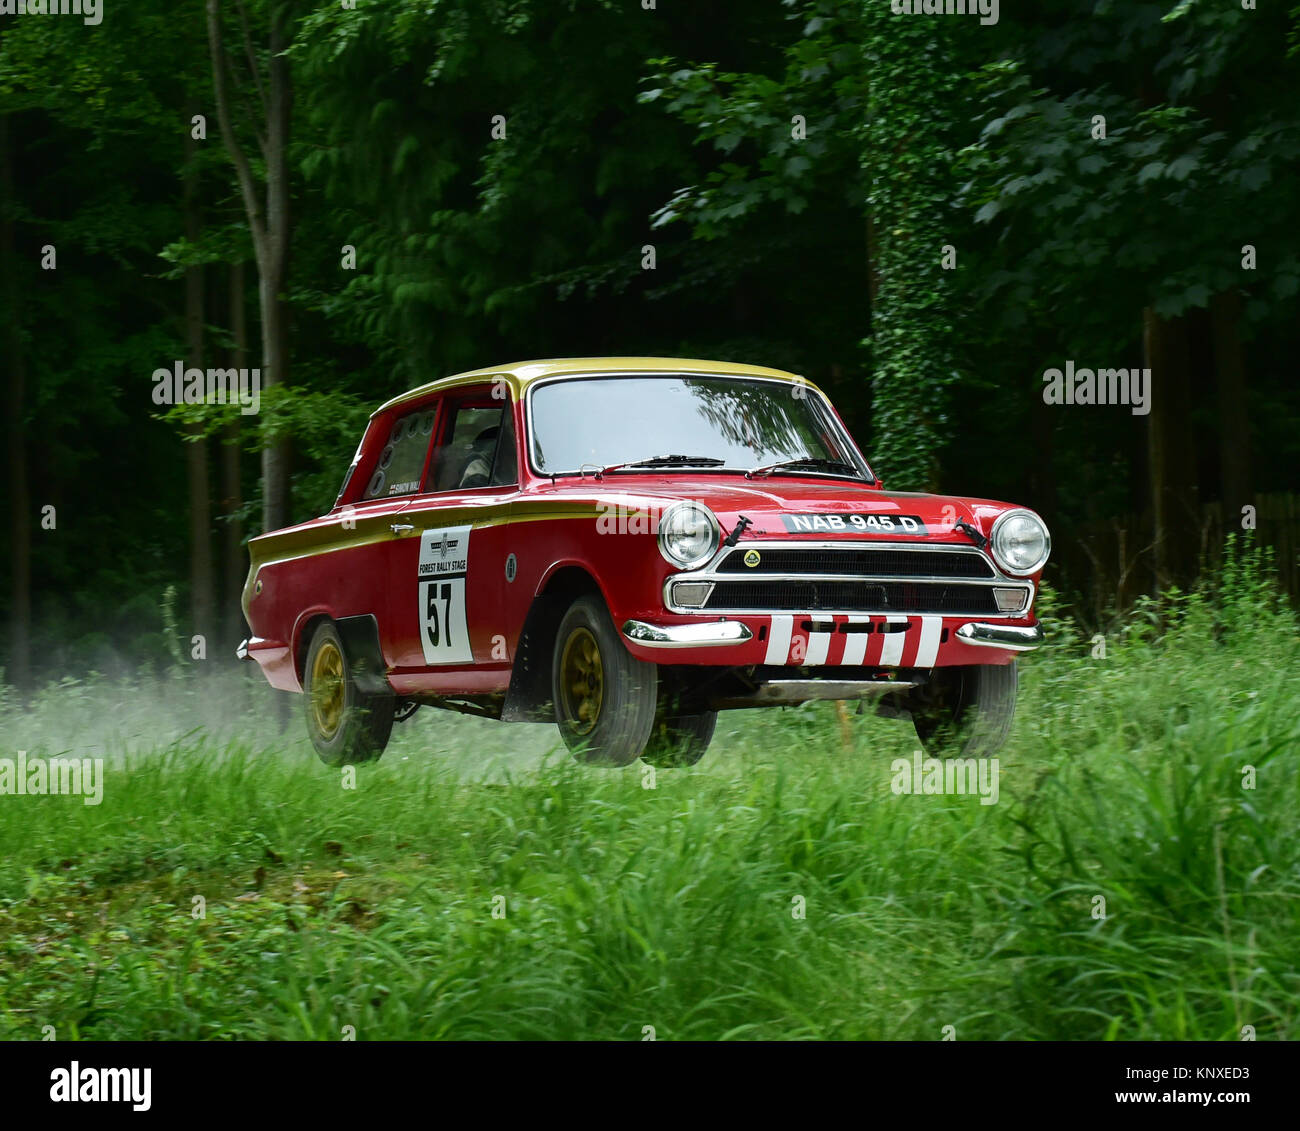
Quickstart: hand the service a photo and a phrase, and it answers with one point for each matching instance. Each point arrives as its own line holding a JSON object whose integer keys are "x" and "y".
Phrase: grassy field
{"x": 621, "y": 907}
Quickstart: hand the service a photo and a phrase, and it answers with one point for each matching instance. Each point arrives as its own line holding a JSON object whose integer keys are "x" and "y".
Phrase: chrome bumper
{"x": 709, "y": 634}
{"x": 1010, "y": 636}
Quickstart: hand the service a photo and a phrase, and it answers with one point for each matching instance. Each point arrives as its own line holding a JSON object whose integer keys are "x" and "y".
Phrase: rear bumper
{"x": 275, "y": 660}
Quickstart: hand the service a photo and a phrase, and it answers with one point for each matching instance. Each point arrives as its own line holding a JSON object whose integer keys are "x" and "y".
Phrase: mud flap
{"x": 360, "y": 636}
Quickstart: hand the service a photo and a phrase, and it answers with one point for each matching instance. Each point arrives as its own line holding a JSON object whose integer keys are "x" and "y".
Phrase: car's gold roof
{"x": 520, "y": 374}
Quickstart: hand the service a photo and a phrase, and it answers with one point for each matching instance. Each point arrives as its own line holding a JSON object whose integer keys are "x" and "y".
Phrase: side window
{"x": 468, "y": 453}
{"x": 401, "y": 463}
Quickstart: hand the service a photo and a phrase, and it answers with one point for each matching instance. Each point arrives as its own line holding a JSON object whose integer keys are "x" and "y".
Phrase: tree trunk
{"x": 20, "y": 500}
{"x": 234, "y": 562}
{"x": 1042, "y": 429}
{"x": 275, "y": 453}
{"x": 202, "y": 585}
{"x": 268, "y": 221}
{"x": 275, "y": 327}
{"x": 1174, "y": 505}
{"x": 1234, "y": 420}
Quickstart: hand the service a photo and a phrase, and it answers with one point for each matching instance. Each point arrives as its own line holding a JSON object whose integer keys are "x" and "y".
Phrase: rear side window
{"x": 401, "y": 463}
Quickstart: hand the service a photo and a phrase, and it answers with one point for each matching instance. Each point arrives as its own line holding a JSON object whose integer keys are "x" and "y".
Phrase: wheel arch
{"x": 528, "y": 698}
{"x": 303, "y": 630}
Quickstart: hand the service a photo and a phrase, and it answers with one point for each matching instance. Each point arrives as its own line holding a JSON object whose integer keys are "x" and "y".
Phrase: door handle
{"x": 401, "y": 528}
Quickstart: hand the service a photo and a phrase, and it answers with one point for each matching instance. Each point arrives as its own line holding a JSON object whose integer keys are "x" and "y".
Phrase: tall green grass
{"x": 676, "y": 907}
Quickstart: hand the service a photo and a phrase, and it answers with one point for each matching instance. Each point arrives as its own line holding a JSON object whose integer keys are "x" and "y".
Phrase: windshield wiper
{"x": 811, "y": 463}
{"x": 668, "y": 461}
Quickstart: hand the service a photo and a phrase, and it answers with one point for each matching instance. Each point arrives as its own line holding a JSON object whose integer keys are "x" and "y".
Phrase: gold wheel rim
{"x": 582, "y": 680}
{"x": 327, "y": 687}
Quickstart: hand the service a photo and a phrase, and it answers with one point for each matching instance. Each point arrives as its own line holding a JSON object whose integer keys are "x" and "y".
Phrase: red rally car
{"x": 627, "y": 546}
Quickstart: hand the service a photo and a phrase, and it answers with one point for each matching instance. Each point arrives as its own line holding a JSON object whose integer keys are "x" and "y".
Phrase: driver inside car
{"x": 478, "y": 468}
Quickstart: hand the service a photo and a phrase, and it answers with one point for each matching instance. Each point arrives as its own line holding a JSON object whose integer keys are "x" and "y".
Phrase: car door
{"x": 448, "y": 566}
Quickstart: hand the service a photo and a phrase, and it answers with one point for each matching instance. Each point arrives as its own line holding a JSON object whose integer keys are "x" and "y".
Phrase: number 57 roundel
{"x": 444, "y": 563}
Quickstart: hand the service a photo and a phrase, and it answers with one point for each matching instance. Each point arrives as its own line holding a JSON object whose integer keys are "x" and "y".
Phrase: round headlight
{"x": 688, "y": 534}
{"x": 1020, "y": 542}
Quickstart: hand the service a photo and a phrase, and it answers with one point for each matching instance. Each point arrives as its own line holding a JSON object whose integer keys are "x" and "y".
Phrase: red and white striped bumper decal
{"x": 894, "y": 641}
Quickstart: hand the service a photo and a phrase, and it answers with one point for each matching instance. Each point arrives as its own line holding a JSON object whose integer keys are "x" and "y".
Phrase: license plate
{"x": 854, "y": 524}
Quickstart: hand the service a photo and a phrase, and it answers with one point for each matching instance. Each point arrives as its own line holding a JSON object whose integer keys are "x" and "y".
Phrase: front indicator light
{"x": 691, "y": 594}
{"x": 1009, "y": 600}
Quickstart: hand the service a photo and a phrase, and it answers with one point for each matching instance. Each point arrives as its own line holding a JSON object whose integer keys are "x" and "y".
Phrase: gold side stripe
{"x": 325, "y": 539}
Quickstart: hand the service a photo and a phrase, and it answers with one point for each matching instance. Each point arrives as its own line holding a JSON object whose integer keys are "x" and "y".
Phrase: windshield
{"x": 603, "y": 421}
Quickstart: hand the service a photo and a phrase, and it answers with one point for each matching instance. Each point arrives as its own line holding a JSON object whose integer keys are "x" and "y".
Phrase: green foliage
{"x": 1152, "y": 213}
{"x": 915, "y": 71}
{"x": 874, "y": 93}
{"x": 820, "y": 252}
{"x": 672, "y": 907}
{"x": 470, "y": 232}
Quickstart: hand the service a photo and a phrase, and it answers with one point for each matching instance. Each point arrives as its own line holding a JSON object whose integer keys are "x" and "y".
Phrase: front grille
{"x": 851, "y": 596}
{"x": 860, "y": 562}
{"x": 829, "y": 577}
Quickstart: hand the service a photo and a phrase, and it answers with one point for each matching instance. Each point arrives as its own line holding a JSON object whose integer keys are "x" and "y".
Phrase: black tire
{"x": 679, "y": 740}
{"x": 345, "y": 724}
{"x": 966, "y": 711}
{"x": 604, "y": 696}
